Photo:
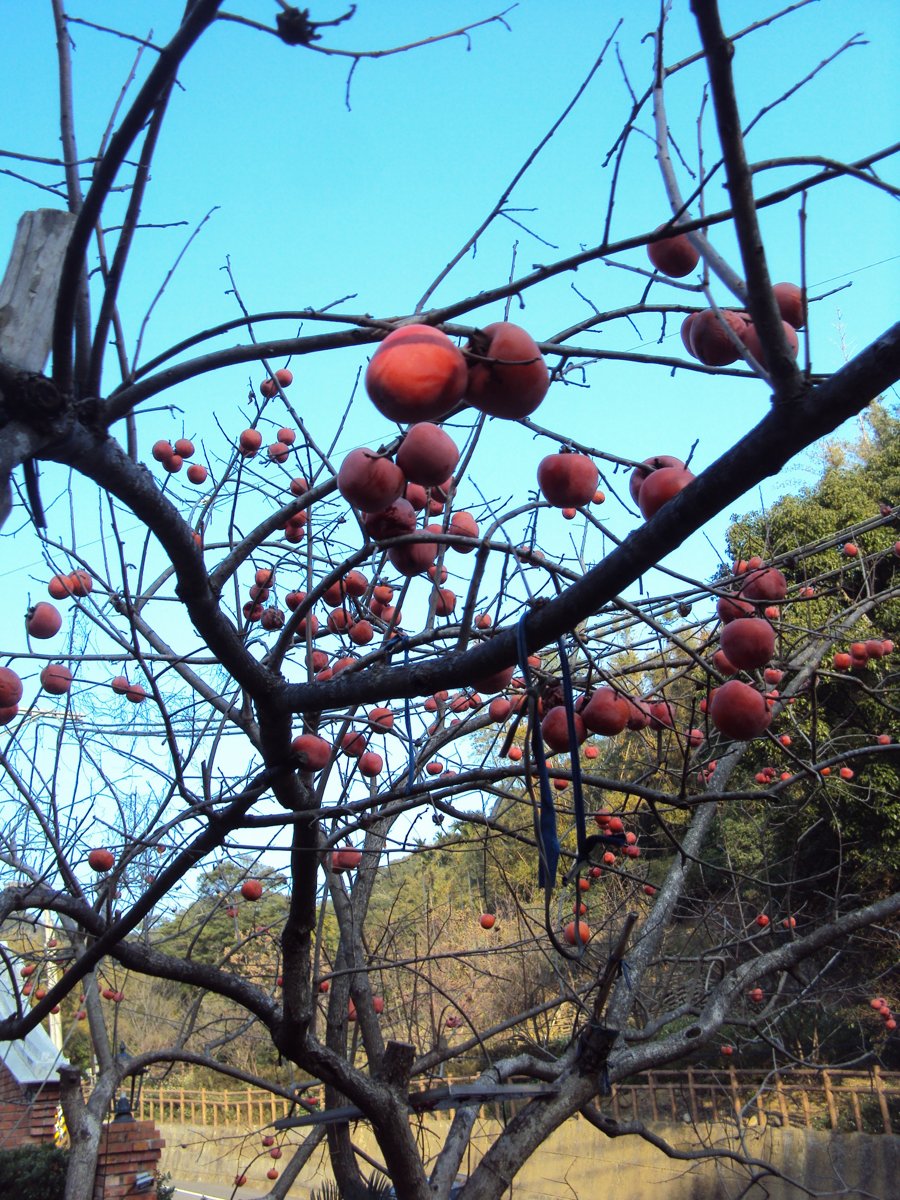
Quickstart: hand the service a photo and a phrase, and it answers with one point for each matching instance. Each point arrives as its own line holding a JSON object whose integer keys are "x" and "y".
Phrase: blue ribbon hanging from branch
{"x": 548, "y": 836}
{"x": 574, "y": 755}
{"x": 545, "y": 823}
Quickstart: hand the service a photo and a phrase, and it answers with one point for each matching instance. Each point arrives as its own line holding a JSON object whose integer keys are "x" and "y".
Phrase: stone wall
{"x": 578, "y": 1161}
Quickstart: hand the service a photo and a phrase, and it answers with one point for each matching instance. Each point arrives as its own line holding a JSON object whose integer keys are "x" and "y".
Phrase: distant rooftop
{"x": 34, "y": 1058}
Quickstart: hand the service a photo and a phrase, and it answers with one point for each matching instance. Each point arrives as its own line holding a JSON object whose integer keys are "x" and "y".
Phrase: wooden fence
{"x": 843, "y": 1101}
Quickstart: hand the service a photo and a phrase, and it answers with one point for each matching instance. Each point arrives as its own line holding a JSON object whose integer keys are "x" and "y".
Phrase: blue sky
{"x": 316, "y": 202}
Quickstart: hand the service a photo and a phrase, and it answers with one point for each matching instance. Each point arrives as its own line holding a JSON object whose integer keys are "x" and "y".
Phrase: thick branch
{"x": 719, "y": 52}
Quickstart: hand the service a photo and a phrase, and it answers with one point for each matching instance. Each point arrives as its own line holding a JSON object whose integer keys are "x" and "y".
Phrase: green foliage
{"x": 841, "y": 712}
{"x": 164, "y": 1190}
{"x": 33, "y": 1172}
{"x": 857, "y": 477}
{"x": 205, "y": 931}
{"x": 377, "y": 1188}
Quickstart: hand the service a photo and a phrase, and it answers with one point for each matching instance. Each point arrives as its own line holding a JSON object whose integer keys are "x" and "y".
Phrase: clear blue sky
{"x": 317, "y": 202}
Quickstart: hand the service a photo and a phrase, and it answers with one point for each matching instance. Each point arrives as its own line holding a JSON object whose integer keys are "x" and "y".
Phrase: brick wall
{"x": 27, "y": 1113}
{"x": 127, "y": 1148}
{"x": 10, "y": 1088}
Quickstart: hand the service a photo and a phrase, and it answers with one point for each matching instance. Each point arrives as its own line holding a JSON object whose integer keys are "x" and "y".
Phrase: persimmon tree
{"x": 312, "y": 638}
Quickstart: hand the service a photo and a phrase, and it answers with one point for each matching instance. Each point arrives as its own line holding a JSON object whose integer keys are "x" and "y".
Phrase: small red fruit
{"x": 789, "y": 299}
{"x": 60, "y": 587}
{"x": 43, "y": 621}
{"x": 272, "y": 618}
{"x": 463, "y": 524}
{"x": 314, "y": 751}
{"x": 730, "y": 608}
{"x": 413, "y": 558}
{"x": 583, "y": 934}
{"x": 739, "y": 711}
{"x": 751, "y": 340}
{"x": 353, "y": 743}
{"x": 249, "y": 442}
{"x": 101, "y": 860}
{"x": 10, "y": 688}
{"x": 347, "y": 859}
{"x": 56, "y": 679}
{"x": 660, "y": 487}
{"x": 370, "y": 764}
{"x": 768, "y": 584}
{"x": 416, "y": 374}
{"x": 370, "y": 481}
{"x": 394, "y": 521}
{"x": 674, "y": 256}
{"x": 507, "y": 376}
{"x": 647, "y": 467}
{"x": 555, "y": 729}
{"x": 748, "y": 643}
{"x": 381, "y": 719}
{"x": 428, "y": 455}
{"x": 487, "y": 920}
{"x": 251, "y": 889}
{"x": 709, "y": 340}
{"x": 568, "y": 480}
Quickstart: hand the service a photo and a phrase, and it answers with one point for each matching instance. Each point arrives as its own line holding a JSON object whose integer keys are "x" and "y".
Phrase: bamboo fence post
{"x": 782, "y": 1102}
{"x": 807, "y": 1115}
{"x": 203, "y": 1106}
{"x": 857, "y": 1114}
{"x": 653, "y": 1109}
{"x": 735, "y": 1095}
{"x": 882, "y": 1101}
{"x": 829, "y": 1100}
{"x": 692, "y": 1099}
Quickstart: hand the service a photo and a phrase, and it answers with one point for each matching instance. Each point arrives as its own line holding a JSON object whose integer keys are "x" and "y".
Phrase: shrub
{"x": 33, "y": 1172}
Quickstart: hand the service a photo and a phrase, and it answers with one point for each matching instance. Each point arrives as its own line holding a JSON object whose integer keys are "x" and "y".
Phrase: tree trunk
{"x": 85, "y": 1125}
